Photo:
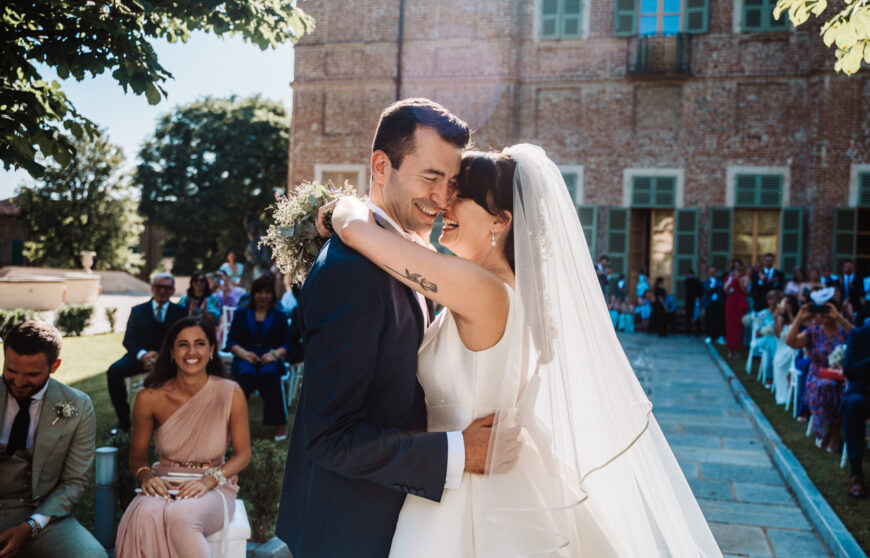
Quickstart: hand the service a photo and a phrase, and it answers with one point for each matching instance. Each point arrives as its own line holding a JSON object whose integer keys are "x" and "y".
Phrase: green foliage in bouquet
{"x": 293, "y": 236}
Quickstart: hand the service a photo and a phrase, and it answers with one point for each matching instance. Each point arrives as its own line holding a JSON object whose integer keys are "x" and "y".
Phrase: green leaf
{"x": 152, "y": 94}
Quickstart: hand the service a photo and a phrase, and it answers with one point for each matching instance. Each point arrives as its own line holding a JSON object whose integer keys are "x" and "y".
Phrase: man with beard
{"x": 47, "y": 434}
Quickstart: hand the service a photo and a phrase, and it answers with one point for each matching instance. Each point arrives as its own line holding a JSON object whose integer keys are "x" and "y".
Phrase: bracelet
{"x": 218, "y": 476}
{"x": 139, "y": 470}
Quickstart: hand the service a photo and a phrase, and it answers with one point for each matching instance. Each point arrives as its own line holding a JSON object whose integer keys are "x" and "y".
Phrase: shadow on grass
{"x": 822, "y": 467}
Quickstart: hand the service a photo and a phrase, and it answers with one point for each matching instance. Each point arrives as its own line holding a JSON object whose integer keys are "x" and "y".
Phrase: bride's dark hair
{"x": 487, "y": 178}
{"x": 165, "y": 367}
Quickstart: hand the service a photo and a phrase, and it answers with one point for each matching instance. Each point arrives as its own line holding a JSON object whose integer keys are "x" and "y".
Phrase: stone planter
{"x": 82, "y": 288}
{"x": 33, "y": 292}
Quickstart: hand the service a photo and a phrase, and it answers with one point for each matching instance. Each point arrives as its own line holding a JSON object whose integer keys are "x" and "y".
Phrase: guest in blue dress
{"x": 199, "y": 300}
{"x": 767, "y": 341}
{"x": 259, "y": 341}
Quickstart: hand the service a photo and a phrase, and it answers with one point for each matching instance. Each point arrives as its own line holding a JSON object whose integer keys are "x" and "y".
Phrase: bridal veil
{"x": 603, "y": 458}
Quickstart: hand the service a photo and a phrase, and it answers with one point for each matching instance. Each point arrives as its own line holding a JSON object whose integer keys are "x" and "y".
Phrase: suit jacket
{"x": 856, "y": 291}
{"x": 694, "y": 288}
{"x": 711, "y": 291}
{"x": 856, "y": 362}
{"x": 63, "y": 452}
{"x": 144, "y": 332}
{"x": 760, "y": 287}
{"x": 358, "y": 443}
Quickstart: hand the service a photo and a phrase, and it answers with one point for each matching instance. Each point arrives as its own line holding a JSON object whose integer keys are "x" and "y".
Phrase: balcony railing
{"x": 666, "y": 56}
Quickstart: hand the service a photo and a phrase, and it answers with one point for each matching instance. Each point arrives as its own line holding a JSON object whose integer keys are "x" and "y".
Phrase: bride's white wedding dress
{"x": 461, "y": 386}
{"x": 595, "y": 475}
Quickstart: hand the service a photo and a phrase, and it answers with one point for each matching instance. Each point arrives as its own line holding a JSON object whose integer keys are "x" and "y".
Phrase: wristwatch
{"x": 35, "y": 528}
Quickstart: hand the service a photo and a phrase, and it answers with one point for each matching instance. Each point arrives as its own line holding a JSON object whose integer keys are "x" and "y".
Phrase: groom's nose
{"x": 441, "y": 193}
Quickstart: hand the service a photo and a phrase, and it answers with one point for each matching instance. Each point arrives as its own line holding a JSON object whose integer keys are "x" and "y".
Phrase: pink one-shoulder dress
{"x": 192, "y": 440}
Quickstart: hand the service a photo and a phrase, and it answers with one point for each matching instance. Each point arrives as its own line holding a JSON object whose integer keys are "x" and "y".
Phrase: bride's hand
{"x": 347, "y": 211}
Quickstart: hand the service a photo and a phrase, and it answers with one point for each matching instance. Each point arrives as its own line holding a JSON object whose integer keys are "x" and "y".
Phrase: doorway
{"x": 651, "y": 246}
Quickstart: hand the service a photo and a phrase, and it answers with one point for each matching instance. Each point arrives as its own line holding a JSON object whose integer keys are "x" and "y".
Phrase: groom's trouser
{"x": 268, "y": 382}
{"x": 124, "y": 367}
{"x": 61, "y": 537}
{"x": 856, "y": 409}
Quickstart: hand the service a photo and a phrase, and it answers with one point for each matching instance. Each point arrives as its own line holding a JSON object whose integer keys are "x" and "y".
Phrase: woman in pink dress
{"x": 192, "y": 408}
{"x": 736, "y": 306}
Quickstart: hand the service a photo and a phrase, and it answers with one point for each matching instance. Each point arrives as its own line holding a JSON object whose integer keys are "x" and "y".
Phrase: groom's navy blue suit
{"x": 359, "y": 442}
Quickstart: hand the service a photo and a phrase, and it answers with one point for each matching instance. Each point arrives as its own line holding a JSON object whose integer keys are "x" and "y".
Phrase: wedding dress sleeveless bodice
{"x": 460, "y": 386}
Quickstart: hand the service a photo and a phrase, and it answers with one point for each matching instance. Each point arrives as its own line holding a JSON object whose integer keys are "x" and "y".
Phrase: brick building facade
{"x": 689, "y": 131}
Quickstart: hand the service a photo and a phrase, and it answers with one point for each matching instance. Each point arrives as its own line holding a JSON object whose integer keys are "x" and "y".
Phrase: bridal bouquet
{"x": 835, "y": 359}
{"x": 293, "y": 237}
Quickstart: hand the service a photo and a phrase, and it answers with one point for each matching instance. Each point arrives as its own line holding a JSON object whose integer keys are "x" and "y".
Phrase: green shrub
{"x": 260, "y": 487}
{"x": 74, "y": 318}
{"x": 11, "y": 318}
{"x": 111, "y": 317}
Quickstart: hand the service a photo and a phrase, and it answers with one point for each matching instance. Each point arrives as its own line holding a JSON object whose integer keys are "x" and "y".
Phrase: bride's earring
{"x": 493, "y": 238}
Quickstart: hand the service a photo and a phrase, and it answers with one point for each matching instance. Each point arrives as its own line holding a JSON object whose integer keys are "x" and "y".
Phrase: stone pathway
{"x": 743, "y": 497}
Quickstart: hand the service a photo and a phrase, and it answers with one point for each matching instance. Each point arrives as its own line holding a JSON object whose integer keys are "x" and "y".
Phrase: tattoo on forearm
{"x": 424, "y": 283}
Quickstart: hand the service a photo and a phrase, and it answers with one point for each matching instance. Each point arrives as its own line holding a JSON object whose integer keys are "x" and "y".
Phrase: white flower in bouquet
{"x": 293, "y": 236}
{"x": 835, "y": 359}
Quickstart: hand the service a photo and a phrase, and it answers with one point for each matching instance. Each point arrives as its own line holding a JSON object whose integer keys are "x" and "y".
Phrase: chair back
{"x": 227, "y": 313}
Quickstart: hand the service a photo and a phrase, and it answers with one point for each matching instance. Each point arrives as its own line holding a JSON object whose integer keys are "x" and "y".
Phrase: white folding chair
{"x": 753, "y": 345}
{"x": 227, "y": 313}
{"x": 791, "y": 391}
{"x": 291, "y": 381}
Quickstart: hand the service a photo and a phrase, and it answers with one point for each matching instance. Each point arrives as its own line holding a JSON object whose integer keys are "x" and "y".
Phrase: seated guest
{"x": 783, "y": 317}
{"x": 823, "y": 394}
{"x": 199, "y": 300}
{"x": 626, "y": 317}
{"x": 193, "y": 411}
{"x": 227, "y": 294}
{"x": 766, "y": 340}
{"x": 613, "y": 309}
{"x": 146, "y": 328}
{"x": 233, "y": 269}
{"x": 47, "y": 438}
{"x": 856, "y": 404}
{"x": 793, "y": 287}
{"x": 258, "y": 340}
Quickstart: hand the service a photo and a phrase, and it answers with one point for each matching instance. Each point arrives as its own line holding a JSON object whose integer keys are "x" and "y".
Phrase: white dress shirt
{"x": 455, "y": 443}
{"x": 12, "y": 408}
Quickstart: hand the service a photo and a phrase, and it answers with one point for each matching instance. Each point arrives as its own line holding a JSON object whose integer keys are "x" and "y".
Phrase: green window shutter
{"x": 549, "y": 19}
{"x": 665, "y": 191}
{"x": 758, "y": 190}
{"x": 641, "y": 191}
{"x": 617, "y": 238}
{"x": 625, "y": 18}
{"x": 653, "y": 191}
{"x": 845, "y": 221}
{"x": 571, "y": 183}
{"x": 588, "y": 215}
{"x": 720, "y": 237}
{"x": 685, "y": 249}
{"x": 770, "y": 190}
{"x": 570, "y": 26}
{"x": 791, "y": 238}
{"x": 864, "y": 189}
{"x": 753, "y": 15}
{"x": 696, "y": 16}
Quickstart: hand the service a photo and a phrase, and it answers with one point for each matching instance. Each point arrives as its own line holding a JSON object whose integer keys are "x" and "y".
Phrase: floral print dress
{"x": 823, "y": 396}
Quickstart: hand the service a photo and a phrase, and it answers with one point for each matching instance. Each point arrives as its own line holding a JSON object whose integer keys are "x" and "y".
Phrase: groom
{"x": 359, "y": 441}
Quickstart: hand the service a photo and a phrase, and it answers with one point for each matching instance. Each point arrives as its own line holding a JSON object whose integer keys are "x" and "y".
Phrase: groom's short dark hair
{"x": 399, "y": 121}
{"x": 34, "y": 337}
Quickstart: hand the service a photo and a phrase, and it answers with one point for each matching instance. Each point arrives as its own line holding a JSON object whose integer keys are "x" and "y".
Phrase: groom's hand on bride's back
{"x": 477, "y": 439}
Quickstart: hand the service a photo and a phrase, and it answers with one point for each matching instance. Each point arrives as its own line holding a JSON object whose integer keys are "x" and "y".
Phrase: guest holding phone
{"x": 193, "y": 411}
{"x": 823, "y": 395}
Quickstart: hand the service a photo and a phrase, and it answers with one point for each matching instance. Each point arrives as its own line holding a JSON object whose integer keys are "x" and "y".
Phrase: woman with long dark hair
{"x": 193, "y": 411}
{"x": 199, "y": 300}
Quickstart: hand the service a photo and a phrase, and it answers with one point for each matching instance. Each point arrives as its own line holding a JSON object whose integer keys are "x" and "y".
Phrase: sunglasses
{"x": 164, "y": 287}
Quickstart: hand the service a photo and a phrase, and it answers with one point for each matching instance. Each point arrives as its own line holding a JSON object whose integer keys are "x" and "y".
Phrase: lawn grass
{"x": 822, "y": 467}
{"x": 84, "y": 361}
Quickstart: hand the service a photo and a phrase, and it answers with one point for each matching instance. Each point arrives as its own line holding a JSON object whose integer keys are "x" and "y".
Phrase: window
{"x": 660, "y": 17}
{"x": 758, "y": 190}
{"x": 758, "y": 16}
{"x": 560, "y": 19}
{"x": 653, "y": 191}
{"x": 756, "y": 232}
{"x": 338, "y": 174}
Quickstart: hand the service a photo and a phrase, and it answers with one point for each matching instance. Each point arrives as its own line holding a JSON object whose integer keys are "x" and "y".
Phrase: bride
{"x": 526, "y": 335}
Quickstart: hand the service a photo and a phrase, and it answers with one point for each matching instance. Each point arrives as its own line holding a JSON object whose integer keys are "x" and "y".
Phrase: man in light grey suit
{"x": 47, "y": 433}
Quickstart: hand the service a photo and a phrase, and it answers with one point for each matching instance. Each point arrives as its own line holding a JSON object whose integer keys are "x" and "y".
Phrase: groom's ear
{"x": 381, "y": 166}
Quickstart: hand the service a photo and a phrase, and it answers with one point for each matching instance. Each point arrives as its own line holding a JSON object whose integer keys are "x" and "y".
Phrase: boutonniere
{"x": 64, "y": 409}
